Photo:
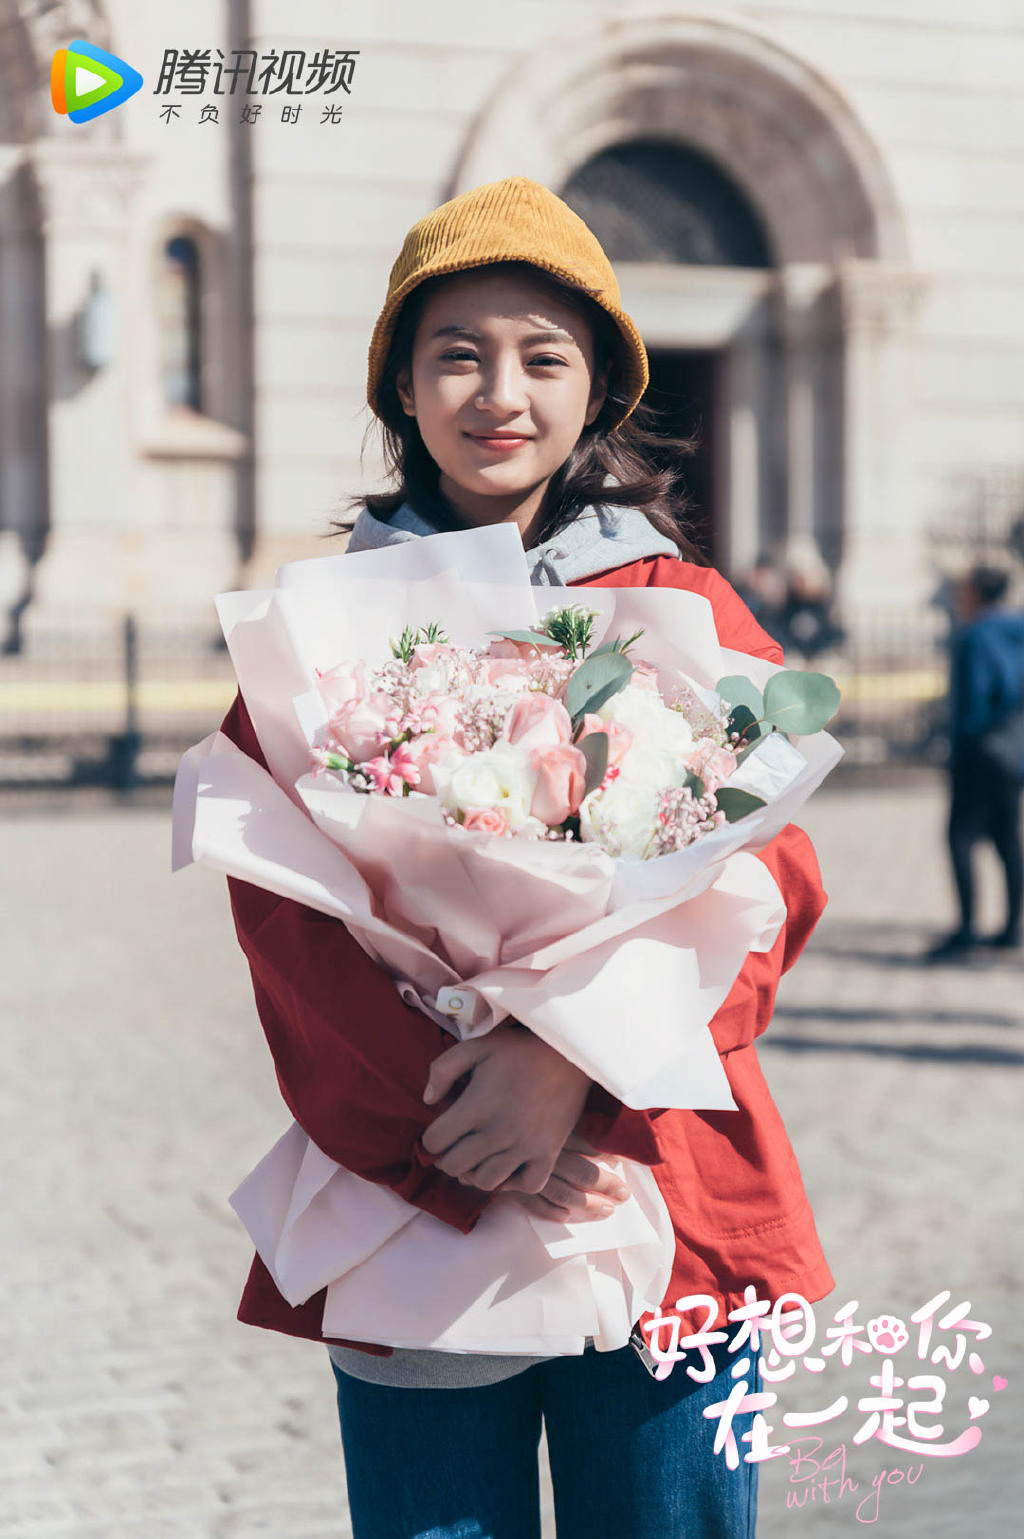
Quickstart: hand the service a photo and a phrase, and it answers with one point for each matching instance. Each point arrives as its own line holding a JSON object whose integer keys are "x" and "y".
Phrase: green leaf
{"x": 737, "y": 690}
{"x": 737, "y": 804}
{"x": 618, "y": 644}
{"x": 742, "y": 720}
{"x": 800, "y": 702}
{"x": 596, "y": 681}
{"x": 403, "y": 647}
{"x": 695, "y": 784}
{"x": 594, "y": 748}
{"x": 537, "y": 637}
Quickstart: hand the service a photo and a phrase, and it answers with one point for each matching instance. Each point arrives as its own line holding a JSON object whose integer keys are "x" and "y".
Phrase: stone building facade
{"x": 815, "y": 209}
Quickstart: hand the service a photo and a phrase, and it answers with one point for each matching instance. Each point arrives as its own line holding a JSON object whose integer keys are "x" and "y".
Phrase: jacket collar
{"x": 597, "y": 540}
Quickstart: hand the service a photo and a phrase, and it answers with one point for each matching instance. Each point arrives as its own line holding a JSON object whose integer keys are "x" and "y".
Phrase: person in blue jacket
{"x": 986, "y": 751}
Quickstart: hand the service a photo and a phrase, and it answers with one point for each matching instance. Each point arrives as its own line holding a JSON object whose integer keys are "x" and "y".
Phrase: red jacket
{"x": 352, "y": 1061}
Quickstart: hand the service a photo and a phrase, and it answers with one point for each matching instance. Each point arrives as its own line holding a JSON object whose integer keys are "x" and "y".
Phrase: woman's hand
{"x": 578, "y": 1191}
{"x": 509, "y": 1125}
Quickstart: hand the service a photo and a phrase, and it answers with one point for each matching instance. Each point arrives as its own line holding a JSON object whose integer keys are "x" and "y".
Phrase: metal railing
{"x": 110, "y": 707}
{"x": 118, "y": 707}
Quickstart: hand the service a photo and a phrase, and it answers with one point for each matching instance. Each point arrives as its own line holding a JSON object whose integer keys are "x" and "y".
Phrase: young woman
{"x": 508, "y": 379}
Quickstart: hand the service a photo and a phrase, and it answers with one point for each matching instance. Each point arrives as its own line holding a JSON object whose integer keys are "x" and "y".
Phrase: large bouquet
{"x": 548, "y": 814}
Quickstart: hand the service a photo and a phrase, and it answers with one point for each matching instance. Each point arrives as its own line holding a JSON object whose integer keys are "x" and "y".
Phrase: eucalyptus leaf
{"x": 695, "y": 784}
{"x": 737, "y": 804}
{"x": 596, "y": 681}
{"x": 594, "y": 748}
{"x": 538, "y": 638}
{"x": 737, "y": 690}
{"x": 800, "y": 702}
{"x": 743, "y": 721}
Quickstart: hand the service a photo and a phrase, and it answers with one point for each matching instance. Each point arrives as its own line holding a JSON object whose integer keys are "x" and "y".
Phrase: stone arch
{"x": 812, "y": 393}
{"x": 782, "y": 131}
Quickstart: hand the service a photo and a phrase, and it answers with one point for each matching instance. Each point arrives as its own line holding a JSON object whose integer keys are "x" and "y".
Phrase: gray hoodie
{"x": 601, "y": 538}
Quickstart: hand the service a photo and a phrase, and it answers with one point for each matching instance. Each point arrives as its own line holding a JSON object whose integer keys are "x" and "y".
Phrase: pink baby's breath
{"x": 682, "y": 818}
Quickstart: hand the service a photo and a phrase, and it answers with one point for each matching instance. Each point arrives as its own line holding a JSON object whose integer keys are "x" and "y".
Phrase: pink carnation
{"x": 387, "y": 777}
{"x": 440, "y": 713}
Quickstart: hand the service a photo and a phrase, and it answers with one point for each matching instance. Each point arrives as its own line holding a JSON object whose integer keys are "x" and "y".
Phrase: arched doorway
{"x": 810, "y": 379}
{"x": 650, "y": 200}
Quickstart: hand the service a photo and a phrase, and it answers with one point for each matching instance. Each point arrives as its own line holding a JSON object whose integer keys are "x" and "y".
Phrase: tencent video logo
{"x": 86, "y": 81}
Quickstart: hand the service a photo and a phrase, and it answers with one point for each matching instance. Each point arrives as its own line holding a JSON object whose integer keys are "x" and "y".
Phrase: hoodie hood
{"x": 597, "y": 540}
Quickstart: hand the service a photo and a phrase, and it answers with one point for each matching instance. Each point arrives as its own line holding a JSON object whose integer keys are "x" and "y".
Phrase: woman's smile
{"x": 502, "y": 442}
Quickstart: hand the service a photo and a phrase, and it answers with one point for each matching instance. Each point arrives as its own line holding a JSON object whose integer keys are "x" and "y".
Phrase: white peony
{"x": 498, "y": 777}
{"x": 644, "y": 764}
{"x": 621, "y": 819}
{"x": 662, "y": 738}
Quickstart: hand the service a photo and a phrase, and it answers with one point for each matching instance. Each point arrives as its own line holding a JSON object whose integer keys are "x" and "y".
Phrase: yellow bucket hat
{"x": 515, "y": 220}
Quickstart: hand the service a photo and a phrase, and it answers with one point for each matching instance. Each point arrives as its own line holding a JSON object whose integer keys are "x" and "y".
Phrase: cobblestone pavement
{"x": 138, "y": 1091}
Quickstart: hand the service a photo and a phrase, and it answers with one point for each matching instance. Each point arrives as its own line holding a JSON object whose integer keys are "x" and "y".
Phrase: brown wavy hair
{"x": 645, "y": 462}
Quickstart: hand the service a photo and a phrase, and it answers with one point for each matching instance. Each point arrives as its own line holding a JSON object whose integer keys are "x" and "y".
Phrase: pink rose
{"x": 537, "y": 721}
{"x": 620, "y": 739}
{"x": 356, "y": 725}
{"x": 422, "y": 753}
{"x": 645, "y": 675}
{"x": 340, "y": 685}
{"x": 486, "y": 820}
{"x": 430, "y": 653}
{"x": 521, "y": 650}
{"x": 506, "y": 673}
{"x": 710, "y": 762}
{"x": 561, "y": 782}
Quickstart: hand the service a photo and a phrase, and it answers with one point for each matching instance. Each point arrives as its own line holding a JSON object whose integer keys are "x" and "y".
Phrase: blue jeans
{"x": 630, "y": 1456}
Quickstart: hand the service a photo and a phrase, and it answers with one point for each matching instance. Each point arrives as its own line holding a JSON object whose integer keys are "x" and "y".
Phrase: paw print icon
{"x": 888, "y": 1335}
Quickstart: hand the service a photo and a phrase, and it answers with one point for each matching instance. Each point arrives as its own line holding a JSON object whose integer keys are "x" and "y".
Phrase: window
{"x": 181, "y": 323}
{"x": 653, "y": 201}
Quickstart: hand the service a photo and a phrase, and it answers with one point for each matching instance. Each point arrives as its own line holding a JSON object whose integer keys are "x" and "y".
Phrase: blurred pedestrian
{"x": 986, "y": 751}
{"x": 808, "y": 628}
{"x": 763, "y": 590}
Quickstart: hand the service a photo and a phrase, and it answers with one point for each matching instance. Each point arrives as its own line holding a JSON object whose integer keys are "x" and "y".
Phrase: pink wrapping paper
{"x": 618, "y": 965}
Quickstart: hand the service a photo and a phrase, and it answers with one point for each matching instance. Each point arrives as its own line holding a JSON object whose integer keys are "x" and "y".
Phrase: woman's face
{"x": 501, "y": 385}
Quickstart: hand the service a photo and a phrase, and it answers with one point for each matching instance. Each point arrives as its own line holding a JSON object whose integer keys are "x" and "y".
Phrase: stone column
{"x": 85, "y": 193}
{"x": 23, "y": 458}
{"x": 884, "y": 565}
{"x": 811, "y": 410}
{"x": 754, "y": 461}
